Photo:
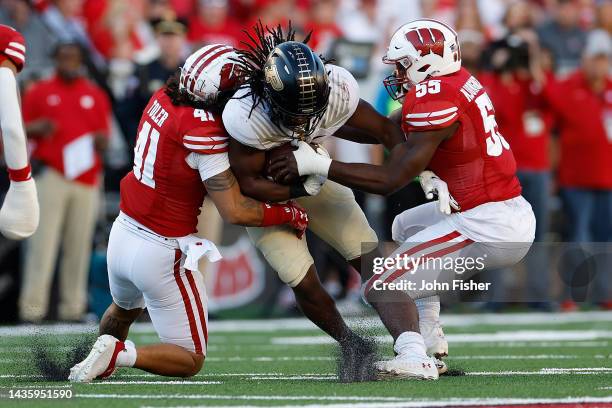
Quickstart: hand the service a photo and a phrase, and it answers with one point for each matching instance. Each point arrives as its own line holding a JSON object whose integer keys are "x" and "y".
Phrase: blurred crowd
{"x": 93, "y": 64}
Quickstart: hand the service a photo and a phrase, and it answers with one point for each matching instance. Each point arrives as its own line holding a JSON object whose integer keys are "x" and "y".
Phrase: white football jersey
{"x": 260, "y": 132}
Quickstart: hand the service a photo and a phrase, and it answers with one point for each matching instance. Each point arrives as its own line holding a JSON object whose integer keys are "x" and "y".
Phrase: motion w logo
{"x": 427, "y": 40}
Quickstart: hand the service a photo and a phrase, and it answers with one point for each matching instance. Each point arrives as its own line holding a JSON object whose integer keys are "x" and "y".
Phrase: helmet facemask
{"x": 399, "y": 83}
{"x": 295, "y": 125}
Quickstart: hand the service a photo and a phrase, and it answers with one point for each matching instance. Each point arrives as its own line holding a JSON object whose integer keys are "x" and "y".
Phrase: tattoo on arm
{"x": 249, "y": 205}
{"x": 220, "y": 182}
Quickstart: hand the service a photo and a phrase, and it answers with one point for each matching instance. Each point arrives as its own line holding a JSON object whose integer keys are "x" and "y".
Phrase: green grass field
{"x": 508, "y": 359}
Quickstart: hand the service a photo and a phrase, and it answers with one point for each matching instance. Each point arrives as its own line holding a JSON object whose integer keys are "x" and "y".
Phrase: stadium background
{"x": 130, "y": 47}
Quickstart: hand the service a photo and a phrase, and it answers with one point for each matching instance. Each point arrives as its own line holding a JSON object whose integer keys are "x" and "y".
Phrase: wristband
{"x": 298, "y": 190}
{"x": 21, "y": 174}
{"x": 275, "y": 214}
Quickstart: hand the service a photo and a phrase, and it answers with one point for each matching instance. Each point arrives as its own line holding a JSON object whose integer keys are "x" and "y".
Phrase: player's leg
{"x": 439, "y": 240}
{"x": 406, "y": 225}
{"x": 337, "y": 219}
{"x": 290, "y": 258}
{"x": 177, "y": 304}
{"x": 175, "y": 299}
{"x": 116, "y": 321}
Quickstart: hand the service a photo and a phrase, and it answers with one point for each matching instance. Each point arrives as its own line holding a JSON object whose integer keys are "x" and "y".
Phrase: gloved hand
{"x": 20, "y": 213}
{"x": 433, "y": 186}
{"x": 313, "y": 184}
{"x": 298, "y": 219}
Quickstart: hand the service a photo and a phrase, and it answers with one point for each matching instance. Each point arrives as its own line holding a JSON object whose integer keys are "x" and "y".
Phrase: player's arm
{"x": 405, "y": 162}
{"x": 248, "y": 164}
{"x": 368, "y": 126}
{"x": 234, "y": 207}
{"x": 13, "y": 134}
{"x": 19, "y": 214}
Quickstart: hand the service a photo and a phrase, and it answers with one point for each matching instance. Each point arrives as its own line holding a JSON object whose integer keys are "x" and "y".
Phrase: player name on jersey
{"x": 157, "y": 114}
{"x": 471, "y": 89}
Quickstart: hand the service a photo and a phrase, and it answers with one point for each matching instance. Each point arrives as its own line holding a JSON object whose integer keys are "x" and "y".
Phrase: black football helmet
{"x": 296, "y": 88}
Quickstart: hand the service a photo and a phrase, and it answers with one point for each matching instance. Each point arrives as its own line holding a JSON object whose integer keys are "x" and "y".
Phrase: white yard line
{"x": 548, "y": 371}
{"x": 241, "y": 397}
{"x": 543, "y": 344}
{"x": 295, "y": 378}
{"x": 171, "y": 382}
{"x": 232, "y": 326}
{"x": 500, "y": 336}
{"x": 424, "y": 403}
{"x": 355, "y": 401}
{"x": 316, "y": 376}
{"x": 520, "y": 357}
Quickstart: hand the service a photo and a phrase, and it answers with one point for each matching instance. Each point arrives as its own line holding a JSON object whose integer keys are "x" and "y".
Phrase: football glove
{"x": 311, "y": 161}
{"x": 433, "y": 187}
{"x": 20, "y": 213}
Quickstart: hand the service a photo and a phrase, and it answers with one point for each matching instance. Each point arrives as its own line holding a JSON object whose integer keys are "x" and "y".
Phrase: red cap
{"x": 12, "y": 46}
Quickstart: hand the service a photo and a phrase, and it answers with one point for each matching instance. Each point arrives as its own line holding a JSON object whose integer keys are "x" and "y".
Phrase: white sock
{"x": 428, "y": 308}
{"x": 127, "y": 358}
{"x": 410, "y": 343}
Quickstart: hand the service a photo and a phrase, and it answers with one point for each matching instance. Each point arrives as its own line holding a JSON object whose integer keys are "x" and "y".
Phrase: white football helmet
{"x": 209, "y": 72}
{"x": 419, "y": 50}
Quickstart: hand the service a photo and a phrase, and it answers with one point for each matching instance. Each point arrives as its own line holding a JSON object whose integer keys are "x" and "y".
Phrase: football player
{"x": 19, "y": 214}
{"x": 152, "y": 254}
{"x": 450, "y": 128}
{"x": 292, "y": 94}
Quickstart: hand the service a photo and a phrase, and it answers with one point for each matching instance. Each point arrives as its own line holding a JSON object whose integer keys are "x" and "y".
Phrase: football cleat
{"x": 435, "y": 341}
{"x": 408, "y": 367}
{"x": 100, "y": 363}
{"x": 441, "y": 366}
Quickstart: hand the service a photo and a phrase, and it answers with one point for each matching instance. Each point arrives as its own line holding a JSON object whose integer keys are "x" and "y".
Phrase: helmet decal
{"x": 273, "y": 78}
{"x": 427, "y": 41}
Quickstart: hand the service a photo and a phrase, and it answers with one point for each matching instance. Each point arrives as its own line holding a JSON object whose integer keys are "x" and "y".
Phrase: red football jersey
{"x": 476, "y": 162}
{"x": 163, "y": 192}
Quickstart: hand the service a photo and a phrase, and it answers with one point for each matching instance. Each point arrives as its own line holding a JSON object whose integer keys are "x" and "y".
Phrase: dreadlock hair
{"x": 261, "y": 42}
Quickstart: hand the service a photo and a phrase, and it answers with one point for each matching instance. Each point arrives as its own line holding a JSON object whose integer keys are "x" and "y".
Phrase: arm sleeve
{"x": 203, "y": 134}
{"x": 432, "y": 111}
{"x": 203, "y": 141}
{"x": 13, "y": 135}
{"x": 209, "y": 165}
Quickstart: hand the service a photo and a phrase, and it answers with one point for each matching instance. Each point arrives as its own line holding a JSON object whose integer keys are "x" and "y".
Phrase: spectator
{"x": 161, "y": 10}
{"x": 67, "y": 117}
{"x": 182, "y": 8}
{"x": 64, "y": 20}
{"x": 18, "y": 14}
{"x": 563, "y": 36}
{"x": 604, "y": 16}
{"x": 214, "y": 24}
{"x": 472, "y": 45}
{"x": 525, "y": 122}
{"x": 583, "y": 105}
{"x": 359, "y": 21}
{"x": 323, "y": 25}
{"x": 148, "y": 78}
{"x": 119, "y": 30}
